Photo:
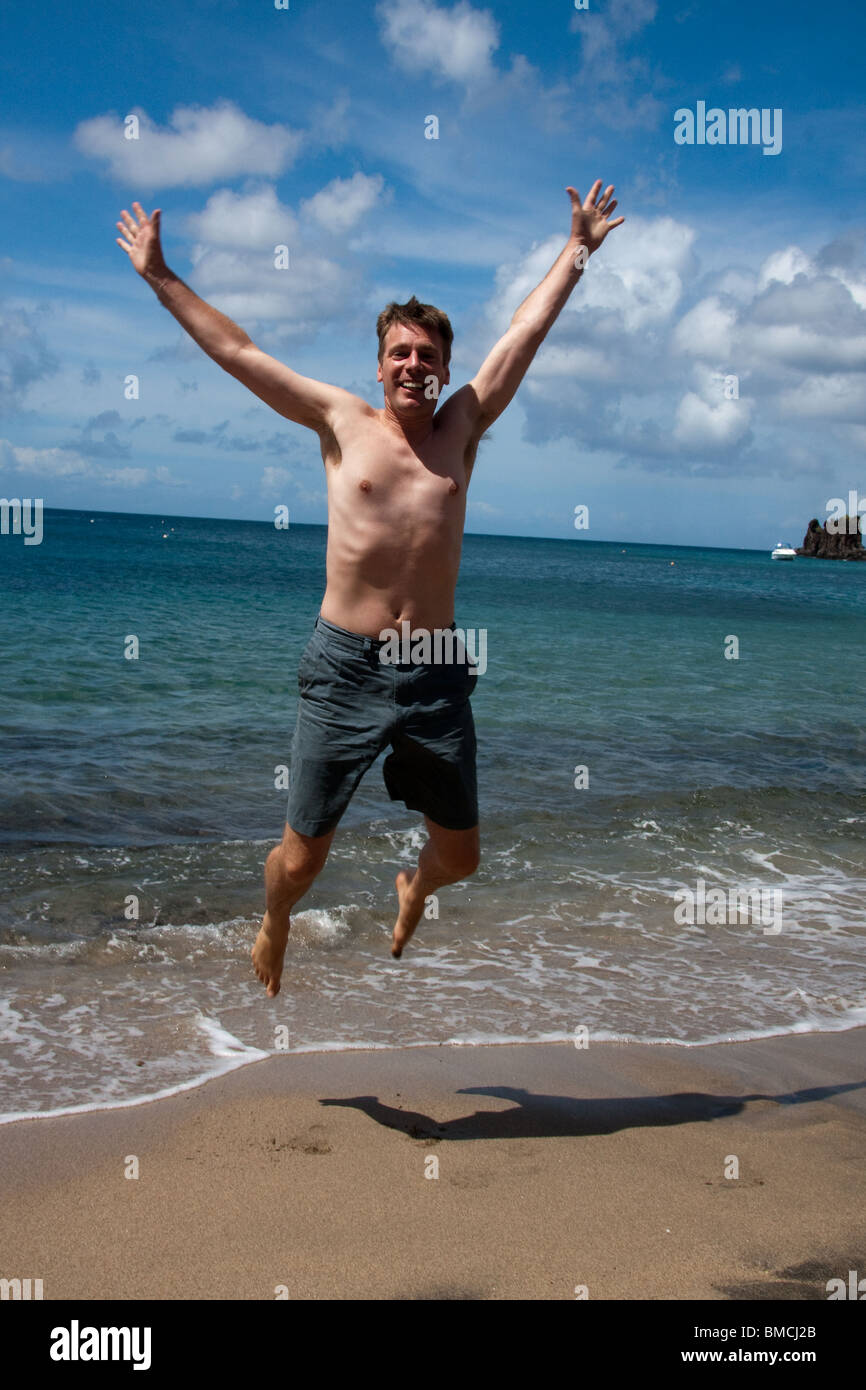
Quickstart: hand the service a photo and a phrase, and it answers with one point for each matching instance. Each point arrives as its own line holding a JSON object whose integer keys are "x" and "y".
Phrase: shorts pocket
{"x": 307, "y": 666}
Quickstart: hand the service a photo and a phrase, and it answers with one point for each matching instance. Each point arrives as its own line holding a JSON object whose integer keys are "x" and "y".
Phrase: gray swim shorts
{"x": 352, "y": 706}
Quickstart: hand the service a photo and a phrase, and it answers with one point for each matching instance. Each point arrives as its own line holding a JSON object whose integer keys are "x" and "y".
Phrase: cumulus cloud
{"x": 455, "y": 45}
{"x": 254, "y": 219}
{"x": 638, "y": 280}
{"x": 62, "y": 463}
{"x": 252, "y": 291}
{"x": 342, "y": 202}
{"x": 784, "y": 266}
{"x": 610, "y": 375}
{"x": 199, "y": 145}
{"x": 701, "y": 425}
{"x": 235, "y": 264}
{"x": 641, "y": 272}
{"x": 710, "y": 325}
{"x": 828, "y": 397}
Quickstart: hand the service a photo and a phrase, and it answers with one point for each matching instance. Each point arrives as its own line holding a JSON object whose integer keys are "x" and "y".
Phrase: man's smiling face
{"x": 411, "y": 356}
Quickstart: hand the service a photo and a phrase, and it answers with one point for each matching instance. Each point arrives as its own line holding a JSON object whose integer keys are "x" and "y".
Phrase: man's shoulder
{"x": 461, "y": 412}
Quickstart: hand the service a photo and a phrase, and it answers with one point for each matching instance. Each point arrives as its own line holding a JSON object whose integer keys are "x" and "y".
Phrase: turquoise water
{"x": 155, "y": 778}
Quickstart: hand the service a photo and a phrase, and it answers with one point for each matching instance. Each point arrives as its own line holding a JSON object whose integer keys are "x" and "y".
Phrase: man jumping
{"x": 397, "y": 480}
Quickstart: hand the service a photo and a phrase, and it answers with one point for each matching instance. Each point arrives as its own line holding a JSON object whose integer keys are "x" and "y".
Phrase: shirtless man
{"x": 397, "y": 480}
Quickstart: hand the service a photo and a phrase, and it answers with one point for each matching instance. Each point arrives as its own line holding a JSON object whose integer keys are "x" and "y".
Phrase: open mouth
{"x": 416, "y": 387}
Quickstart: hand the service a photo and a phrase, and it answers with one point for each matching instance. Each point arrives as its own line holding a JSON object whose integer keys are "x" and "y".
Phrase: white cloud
{"x": 702, "y": 426}
{"x": 706, "y": 330}
{"x": 200, "y": 145}
{"x": 340, "y": 204}
{"x": 250, "y": 289}
{"x": 576, "y": 363}
{"x": 827, "y": 397}
{"x": 784, "y": 266}
{"x": 256, "y": 219}
{"x": 66, "y": 463}
{"x": 611, "y": 376}
{"x": 49, "y": 463}
{"x": 640, "y": 271}
{"x": 455, "y": 44}
{"x": 791, "y": 345}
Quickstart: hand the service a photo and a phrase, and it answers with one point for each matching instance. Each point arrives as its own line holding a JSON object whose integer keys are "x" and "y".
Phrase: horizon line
{"x": 323, "y": 525}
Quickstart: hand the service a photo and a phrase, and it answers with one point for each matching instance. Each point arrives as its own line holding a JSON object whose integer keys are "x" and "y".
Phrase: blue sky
{"x": 306, "y": 126}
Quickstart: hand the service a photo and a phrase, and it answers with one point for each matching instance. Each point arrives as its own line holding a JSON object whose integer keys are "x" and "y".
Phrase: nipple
{"x": 365, "y": 485}
{"x": 453, "y": 486}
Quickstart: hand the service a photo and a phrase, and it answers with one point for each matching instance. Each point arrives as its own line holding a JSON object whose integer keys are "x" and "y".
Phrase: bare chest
{"x": 375, "y": 472}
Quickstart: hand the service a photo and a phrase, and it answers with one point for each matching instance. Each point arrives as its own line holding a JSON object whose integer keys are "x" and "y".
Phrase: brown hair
{"x": 414, "y": 312}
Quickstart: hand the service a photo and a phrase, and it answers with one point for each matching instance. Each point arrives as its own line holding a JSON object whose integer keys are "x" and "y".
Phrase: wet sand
{"x": 559, "y": 1169}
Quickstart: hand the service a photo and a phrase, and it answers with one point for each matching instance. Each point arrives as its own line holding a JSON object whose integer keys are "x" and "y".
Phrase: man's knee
{"x": 459, "y": 854}
{"x": 302, "y": 857}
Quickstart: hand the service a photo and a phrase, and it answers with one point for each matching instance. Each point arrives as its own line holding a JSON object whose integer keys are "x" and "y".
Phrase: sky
{"x": 703, "y": 385}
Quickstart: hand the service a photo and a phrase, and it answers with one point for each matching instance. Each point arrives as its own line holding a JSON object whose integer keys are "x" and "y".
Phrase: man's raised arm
{"x": 486, "y": 396}
{"x": 298, "y": 398}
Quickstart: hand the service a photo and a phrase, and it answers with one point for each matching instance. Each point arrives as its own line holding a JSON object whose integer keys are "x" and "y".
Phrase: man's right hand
{"x": 141, "y": 241}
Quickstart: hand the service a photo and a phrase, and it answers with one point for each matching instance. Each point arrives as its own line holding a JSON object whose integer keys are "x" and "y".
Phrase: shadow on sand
{"x": 541, "y": 1117}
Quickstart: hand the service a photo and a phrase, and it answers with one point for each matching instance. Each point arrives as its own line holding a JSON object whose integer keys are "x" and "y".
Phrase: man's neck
{"x": 414, "y": 432}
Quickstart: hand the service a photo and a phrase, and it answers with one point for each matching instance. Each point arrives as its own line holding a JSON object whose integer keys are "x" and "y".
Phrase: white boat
{"x": 784, "y": 552}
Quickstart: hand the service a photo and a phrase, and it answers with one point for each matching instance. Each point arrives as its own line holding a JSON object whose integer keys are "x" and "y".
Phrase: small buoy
{"x": 165, "y": 535}
{"x": 673, "y": 562}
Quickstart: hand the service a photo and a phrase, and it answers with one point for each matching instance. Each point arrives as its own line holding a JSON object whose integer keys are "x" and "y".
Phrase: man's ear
{"x": 379, "y": 376}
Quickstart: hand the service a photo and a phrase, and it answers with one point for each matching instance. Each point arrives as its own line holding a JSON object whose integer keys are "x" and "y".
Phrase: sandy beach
{"x": 558, "y": 1167}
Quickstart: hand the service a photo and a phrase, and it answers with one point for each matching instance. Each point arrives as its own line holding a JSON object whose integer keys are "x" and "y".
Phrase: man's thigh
{"x": 342, "y": 726}
{"x": 432, "y": 765}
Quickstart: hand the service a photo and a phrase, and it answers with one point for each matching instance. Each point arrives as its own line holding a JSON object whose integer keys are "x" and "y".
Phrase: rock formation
{"x": 844, "y": 544}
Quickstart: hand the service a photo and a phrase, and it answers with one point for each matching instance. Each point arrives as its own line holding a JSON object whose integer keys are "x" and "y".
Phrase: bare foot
{"x": 409, "y": 915}
{"x": 268, "y": 950}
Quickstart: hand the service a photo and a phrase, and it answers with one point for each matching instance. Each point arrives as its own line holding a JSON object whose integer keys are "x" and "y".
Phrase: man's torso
{"x": 395, "y": 519}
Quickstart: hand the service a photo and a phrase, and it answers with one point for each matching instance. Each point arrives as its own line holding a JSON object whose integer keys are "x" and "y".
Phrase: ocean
{"x": 140, "y": 797}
